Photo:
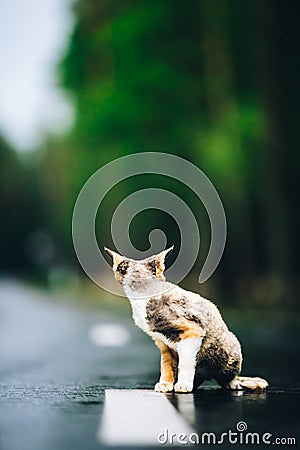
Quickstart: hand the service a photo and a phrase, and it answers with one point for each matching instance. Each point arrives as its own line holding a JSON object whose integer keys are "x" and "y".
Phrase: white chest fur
{"x": 139, "y": 313}
{"x": 139, "y": 302}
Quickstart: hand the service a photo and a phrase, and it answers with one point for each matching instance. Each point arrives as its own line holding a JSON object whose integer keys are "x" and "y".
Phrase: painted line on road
{"x": 137, "y": 417}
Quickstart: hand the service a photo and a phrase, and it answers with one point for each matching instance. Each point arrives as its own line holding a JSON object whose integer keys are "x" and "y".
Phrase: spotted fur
{"x": 122, "y": 267}
{"x": 153, "y": 266}
{"x": 194, "y": 341}
{"x": 169, "y": 318}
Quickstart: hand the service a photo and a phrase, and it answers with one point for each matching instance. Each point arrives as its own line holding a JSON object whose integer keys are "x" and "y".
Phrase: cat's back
{"x": 176, "y": 300}
{"x": 204, "y": 309}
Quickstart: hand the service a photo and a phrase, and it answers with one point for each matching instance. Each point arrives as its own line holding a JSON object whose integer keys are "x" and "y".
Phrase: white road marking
{"x": 137, "y": 417}
{"x": 109, "y": 335}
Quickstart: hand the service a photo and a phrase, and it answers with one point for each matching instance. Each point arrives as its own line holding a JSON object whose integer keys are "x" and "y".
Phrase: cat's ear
{"x": 115, "y": 256}
{"x": 164, "y": 253}
{"x": 160, "y": 260}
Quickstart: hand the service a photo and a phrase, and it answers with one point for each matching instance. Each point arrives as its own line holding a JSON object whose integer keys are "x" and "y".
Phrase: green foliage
{"x": 20, "y": 210}
{"x": 160, "y": 76}
{"x": 199, "y": 79}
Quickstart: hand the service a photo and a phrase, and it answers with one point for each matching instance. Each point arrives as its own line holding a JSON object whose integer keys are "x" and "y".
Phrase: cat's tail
{"x": 249, "y": 383}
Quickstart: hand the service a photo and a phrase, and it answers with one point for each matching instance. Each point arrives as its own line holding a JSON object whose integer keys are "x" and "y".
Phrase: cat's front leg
{"x": 168, "y": 368}
{"x": 187, "y": 350}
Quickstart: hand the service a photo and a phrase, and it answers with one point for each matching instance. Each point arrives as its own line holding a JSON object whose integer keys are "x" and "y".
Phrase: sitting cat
{"x": 194, "y": 341}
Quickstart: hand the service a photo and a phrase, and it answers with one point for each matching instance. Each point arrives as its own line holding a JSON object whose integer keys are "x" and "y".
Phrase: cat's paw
{"x": 164, "y": 386}
{"x": 183, "y": 387}
{"x": 235, "y": 385}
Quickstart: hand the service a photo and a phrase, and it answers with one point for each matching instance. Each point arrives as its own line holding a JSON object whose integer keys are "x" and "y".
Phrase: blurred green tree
{"x": 20, "y": 210}
{"x": 210, "y": 81}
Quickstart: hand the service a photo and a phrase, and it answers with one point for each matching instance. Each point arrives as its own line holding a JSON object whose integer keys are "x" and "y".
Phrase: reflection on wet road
{"x": 56, "y": 363}
{"x": 217, "y": 411}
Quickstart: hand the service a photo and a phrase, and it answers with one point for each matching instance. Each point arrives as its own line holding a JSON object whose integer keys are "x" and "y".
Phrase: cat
{"x": 193, "y": 339}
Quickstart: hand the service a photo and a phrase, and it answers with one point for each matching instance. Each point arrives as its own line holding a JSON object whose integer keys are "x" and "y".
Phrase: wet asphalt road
{"x": 53, "y": 378}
